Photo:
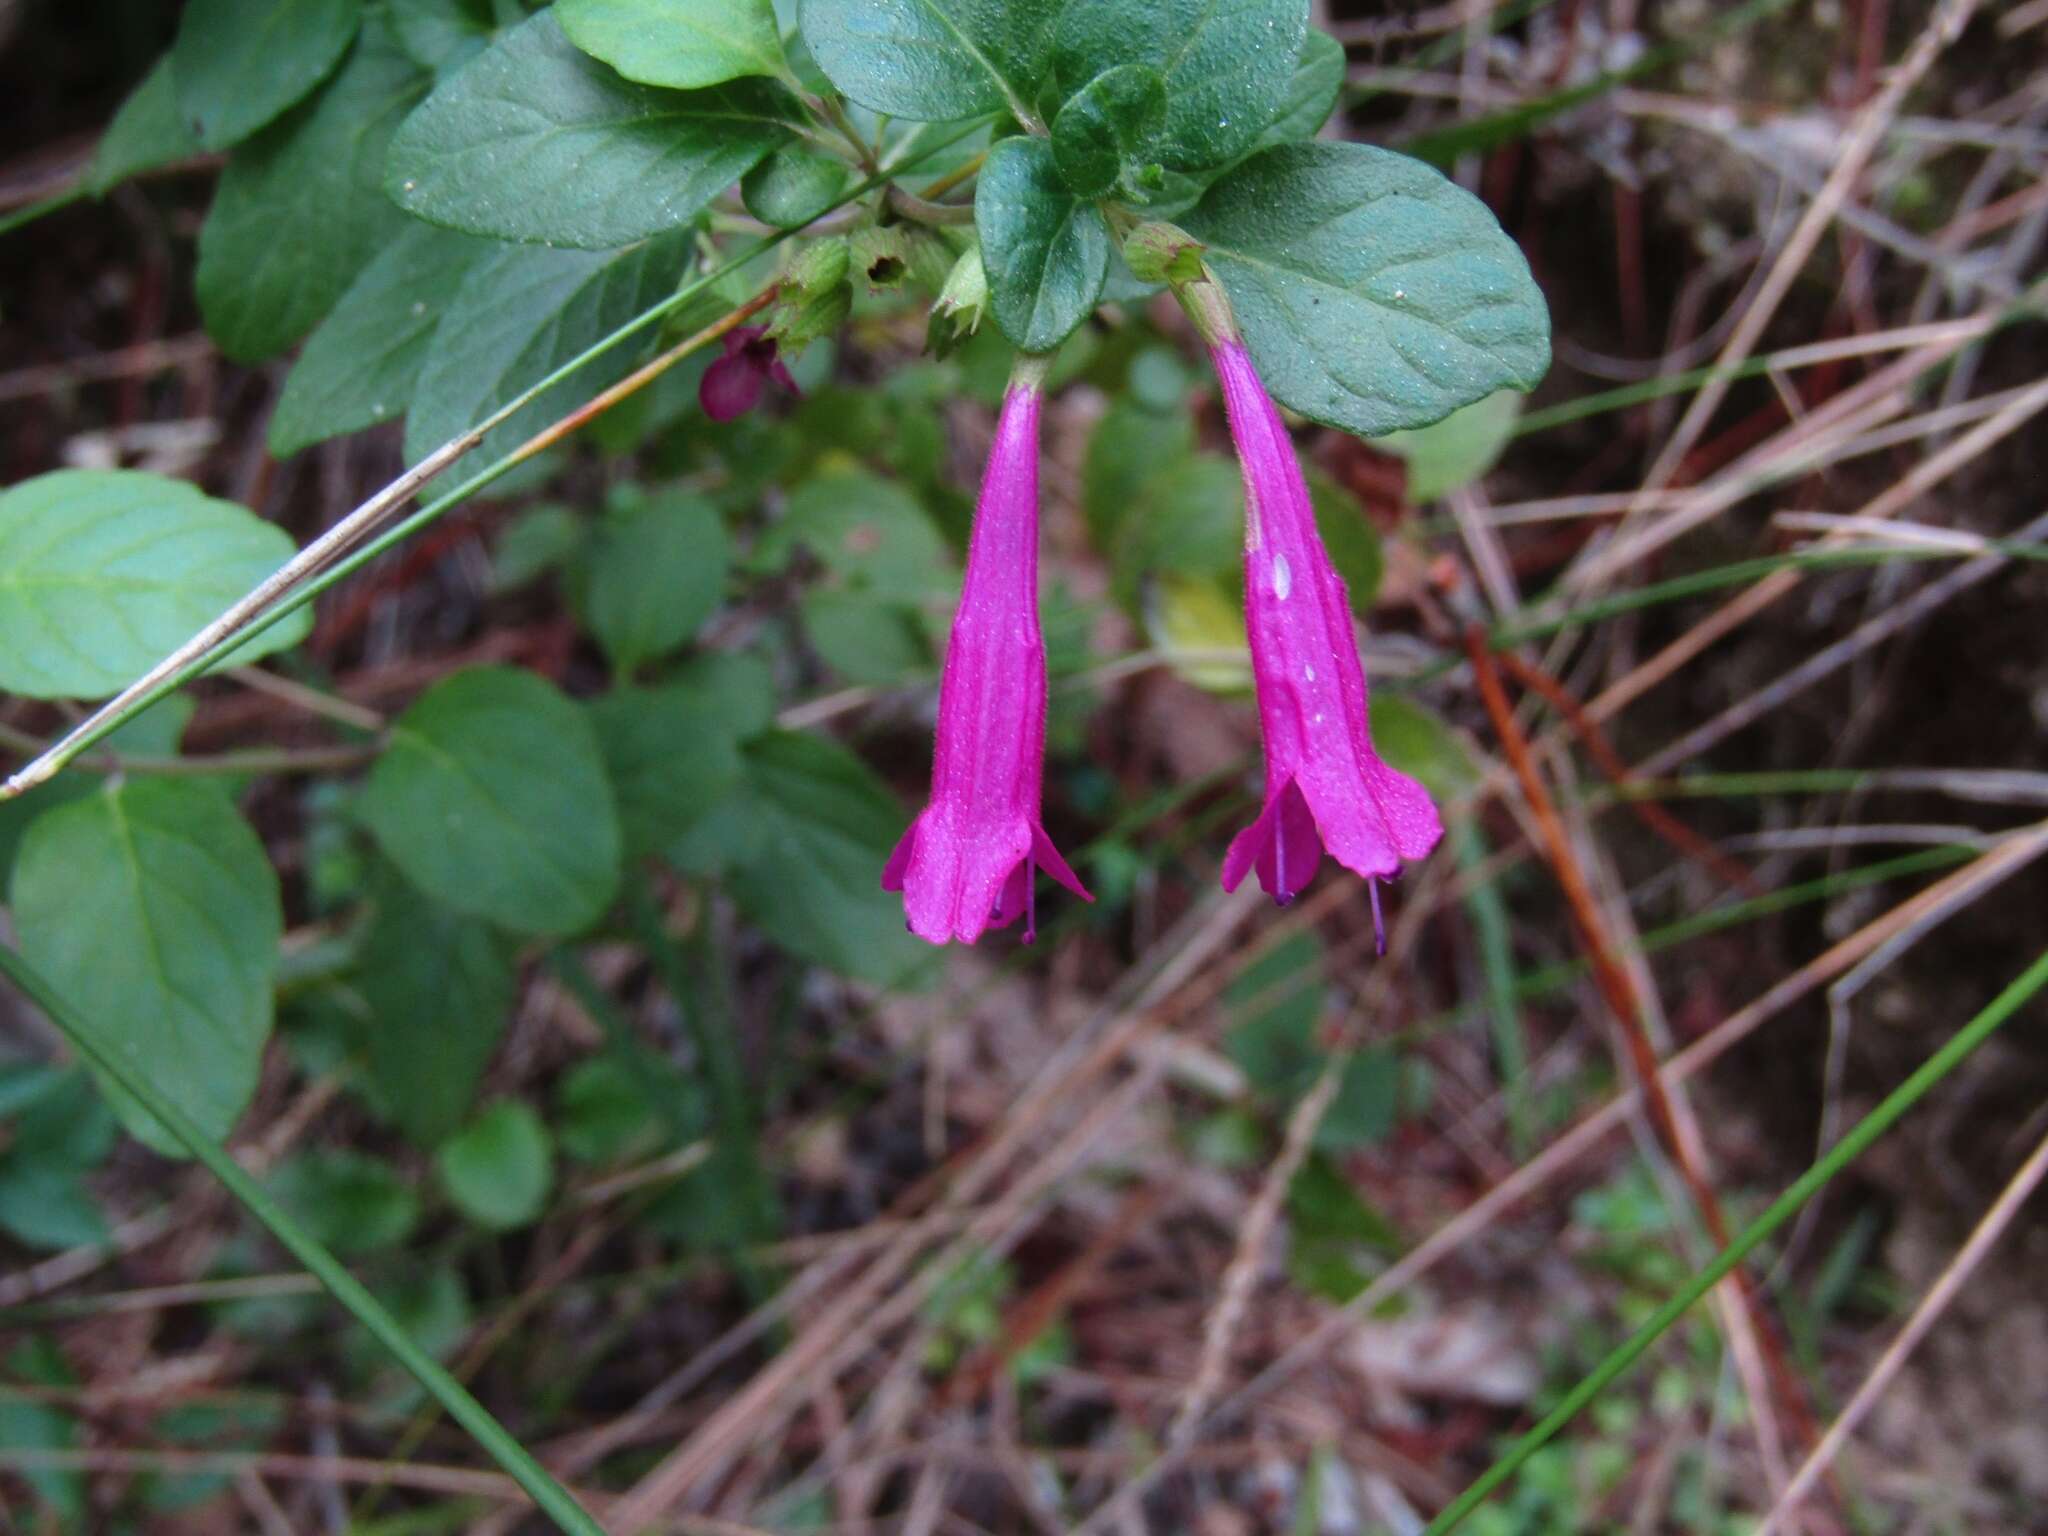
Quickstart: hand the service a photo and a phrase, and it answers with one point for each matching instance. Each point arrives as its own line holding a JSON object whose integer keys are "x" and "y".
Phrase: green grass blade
{"x": 1847, "y": 1150}
{"x": 552, "y": 1498}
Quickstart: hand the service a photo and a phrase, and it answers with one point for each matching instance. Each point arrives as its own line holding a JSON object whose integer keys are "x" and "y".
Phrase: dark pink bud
{"x": 732, "y": 385}
{"x": 967, "y": 862}
{"x": 1326, "y": 787}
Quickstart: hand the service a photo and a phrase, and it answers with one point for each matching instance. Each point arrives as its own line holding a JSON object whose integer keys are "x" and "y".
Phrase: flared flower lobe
{"x": 967, "y": 862}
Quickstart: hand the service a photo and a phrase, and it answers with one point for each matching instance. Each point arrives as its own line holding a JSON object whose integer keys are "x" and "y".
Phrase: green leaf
{"x": 499, "y": 1168}
{"x": 1197, "y": 627}
{"x": 439, "y": 987}
{"x": 31, "y": 1426}
{"x": 61, "y": 1121}
{"x": 653, "y": 574}
{"x": 442, "y": 35}
{"x": 349, "y": 1201}
{"x": 1187, "y": 518}
{"x": 673, "y": 752}
{"x": 1457, "y": 450}
{"x": 1108, "y": 126}
{"x": 1275, "y": 1004}
{"x": 153, "y": 733}
{"x": 104, "y": 571}
{"x": 492, "y": 799}
{"x": 865, "y": 639}
{"x": 237, "y": 66}
{"x": 682, "y": 43}
{"x": 1129, "y": 445}
{"x": 147, "y": 132}
{"x": 520, "y": 313}
{"x": 1311, "y": 93}
{"x": 46, "y": 1205}
{"x": 535, "y": 140}
{"x": 932, "y": 60}
{"x": 1331, "y": 1228}
{"x": 174, "y": 968}
{"x": 301, "y": 210}
{"x": 59, "y": 1129}
{"x": 1367, "y": 1104}
{"x": 1374, "y": 294}
{"x": 603, "y": 1113}
{"x": 869, "y": 532}
{"x": 794, "y": 185}
{"x": 359, "y": 368}
{"x": 821, "y": 825}
{"x": 1046, "y": 251}
{"x": 432, "y": 1305}
{"x": 1420, "y": 745}
{"x": 534, "y": 543}
{"x": 1227, "y": 67}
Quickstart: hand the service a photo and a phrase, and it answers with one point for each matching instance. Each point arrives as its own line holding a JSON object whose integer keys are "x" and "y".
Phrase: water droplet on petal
{"x": 1309, "y": 673}
{"x": 1283, "y": 578}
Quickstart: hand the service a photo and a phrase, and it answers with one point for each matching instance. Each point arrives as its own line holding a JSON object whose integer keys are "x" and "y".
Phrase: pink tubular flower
{"x": 732, "y": 385}
{"x": 967, "y": 862}
{"x": 1325, "y": 786}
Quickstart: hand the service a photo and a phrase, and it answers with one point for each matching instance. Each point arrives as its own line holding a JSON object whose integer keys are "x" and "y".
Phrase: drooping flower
{"x": 1326, "y": 787}
{"x": 968, "y": 861}
{"x": 732, "y": 385}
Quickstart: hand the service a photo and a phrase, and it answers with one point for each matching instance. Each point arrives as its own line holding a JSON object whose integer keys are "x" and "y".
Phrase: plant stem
{"x": 551, "y": 1497}
{"x": 1847, "y": 1150}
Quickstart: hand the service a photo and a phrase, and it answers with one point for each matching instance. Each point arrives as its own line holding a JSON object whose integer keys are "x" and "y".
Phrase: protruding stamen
{"x": 1030, "y": 905}
{"x": 1379, "y": 927}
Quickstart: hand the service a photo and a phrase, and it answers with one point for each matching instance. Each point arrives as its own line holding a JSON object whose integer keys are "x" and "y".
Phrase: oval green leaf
{"x": 1312, "y": 91}
{"x": 535, "y": 140}
{"x": 498, "y": 1168}
{"x": 151, "y": 907}
{"x": 652, "y": 576}
{"x": 236, "y": 66}
{"x": 349, "y": 1201}
{"x": 673, "y": 752}
{"x": 1046, "y": 251}
{"x": 1227, "y": 67}
{"x": 317, "y": 174}
{"x": 794, "y": 185}
{"x": 492, "y": 799}
{"x": 1457, "y": 450}
{"x": 678, "y": 43}
{"x": 146, "y": 132}
{"x": 439, "y": 987}
{"x": 105, "y": 571}
{"x": 1108, "y": 126}
{"x": 358, "y": 370}
{"x": 1375, "y": 294}
{"x": 519, "y": 313}
{"x": 932, "y": 60}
